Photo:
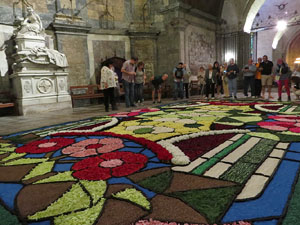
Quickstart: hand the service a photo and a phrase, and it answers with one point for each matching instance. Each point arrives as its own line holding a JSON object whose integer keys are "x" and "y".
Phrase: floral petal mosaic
{"x": 186, "y": 163}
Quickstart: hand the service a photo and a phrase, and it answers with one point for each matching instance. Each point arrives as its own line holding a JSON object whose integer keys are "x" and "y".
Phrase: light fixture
{"x": 297, "y": 61}
{"x": 281, "y": 25}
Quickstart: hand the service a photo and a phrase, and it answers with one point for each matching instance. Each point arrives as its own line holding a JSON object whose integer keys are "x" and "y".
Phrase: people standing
{"x": 156, "y": 86}
{"x": 266, "y": 68}
{"x": 128, "y": 75}
{"x": 257, "y": 83}
{"x": 210, "y": 80}
{"x": 186, "y": 80}
{"x": 232, "y": 73}
{"x": 178, "y": 74}
{"x": 219, "y": 81}
{"x": 284, "y": 73}
{"x": 225, "y": 80}
{"x": 201, "y": 80}
{"x": 249, "y": 78}
{"x": 140, "y": 78}
{"x": 108, "y": 84}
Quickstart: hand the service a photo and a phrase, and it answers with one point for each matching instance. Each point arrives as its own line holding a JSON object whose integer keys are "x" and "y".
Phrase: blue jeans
{"x": 178, "y": 89}
{"x": 232, "y": 85}
{"x": 138, "y": 92}
{"x": 129, "y": 93}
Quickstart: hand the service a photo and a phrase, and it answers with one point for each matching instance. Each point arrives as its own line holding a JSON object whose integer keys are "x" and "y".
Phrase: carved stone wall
{"x": 200, "y": 47}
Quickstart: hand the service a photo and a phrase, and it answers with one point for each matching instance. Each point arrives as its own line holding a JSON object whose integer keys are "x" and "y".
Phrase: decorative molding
{"x": 44, "y": 86}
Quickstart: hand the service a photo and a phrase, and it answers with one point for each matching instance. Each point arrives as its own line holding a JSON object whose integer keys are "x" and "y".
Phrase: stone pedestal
{"x": 41, "y": 91}
{"x": 39, "y": 83}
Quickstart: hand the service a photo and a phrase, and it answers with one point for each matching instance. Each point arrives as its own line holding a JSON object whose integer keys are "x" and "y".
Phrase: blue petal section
{"x": 97, "y": 137}
{"x": 41, "y": 223}
{"x": 8, "y": 192}
{"x": 295, "y": 147}
{"x": 124, "y": 180}
{"x": 155, "y": 165}
{"x": 271, "y": 222}
{"x": 148, "y": 153}
{"x": 80, "y": 139}
{"x": 155, "y": 159}
{"x": 273, "y": 200}
{"x": 62, "y": 167}
{"x": 35, "y": 155}
{"x": 135, "y": 150}
{"x": 71, "y": 158}
{"x": 292, "y": 156}
{"x": 132, "y": 144}
{"x": 56, "y": 154}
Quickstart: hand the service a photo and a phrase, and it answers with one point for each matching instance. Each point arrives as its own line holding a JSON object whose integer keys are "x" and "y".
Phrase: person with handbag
{"x": 283, "y": 75}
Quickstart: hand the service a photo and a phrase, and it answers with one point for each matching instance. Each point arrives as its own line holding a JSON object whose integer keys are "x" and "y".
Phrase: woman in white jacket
{"x": 108, "y": 84}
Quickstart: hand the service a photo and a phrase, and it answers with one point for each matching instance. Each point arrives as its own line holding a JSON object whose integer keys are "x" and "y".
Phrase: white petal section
{"x": 189, "y": 167}
{"x": 160, "y": 130}
{"x": 236, "y": 137}
{"x": 166, "y": 119}
{"x": 283, "y": 145}
{"x": 186, "y": 121}
{"x": 253, "y": 187}
{"x": 217, "y": 170}
{"x": 268, "y": 167}
{"x": 277, "y": 153}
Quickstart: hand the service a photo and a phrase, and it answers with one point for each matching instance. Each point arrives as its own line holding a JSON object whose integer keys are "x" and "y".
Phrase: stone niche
{"x": 40, "y": 74}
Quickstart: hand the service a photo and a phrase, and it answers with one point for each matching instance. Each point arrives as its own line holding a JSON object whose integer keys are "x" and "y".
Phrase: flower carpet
{"x": 234, "y": 163}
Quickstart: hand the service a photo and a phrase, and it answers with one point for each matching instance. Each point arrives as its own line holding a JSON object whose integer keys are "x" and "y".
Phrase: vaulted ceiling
{"x": 212, "y": 7}
{"x": 275, "y": 10}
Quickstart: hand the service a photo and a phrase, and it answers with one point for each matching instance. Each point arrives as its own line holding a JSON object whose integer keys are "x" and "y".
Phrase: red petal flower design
{"x": 93, "y": 168}
{"x": 44, "y": 146}
{"x": 283, "y": 123}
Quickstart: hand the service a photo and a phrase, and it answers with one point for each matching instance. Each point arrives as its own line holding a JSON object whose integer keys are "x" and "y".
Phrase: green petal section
{"x": 13, "y": 156}
{"x": 231, "y": 123}
{"x": 40, "y": 169}
{"x": 211, "y": 202}
{"x": 135, "y": 196}
{"x": 71, "y": 201}
{"x": 247, "y": 119}
{"x": 25, "y": 162}
{"x": 143, "y": 131}
{"x": 293, "y": 216}
{"x": 85, "y": 217}
{"x": 95, "y": 188}
{"x": 158, "y": 183}
{"x": 6, "y": 218}
{"x": 60, "y": 177}
{"x": 3, "y": 145}
{"x": 7, "y": 149}
{"x": 264, "y": 135}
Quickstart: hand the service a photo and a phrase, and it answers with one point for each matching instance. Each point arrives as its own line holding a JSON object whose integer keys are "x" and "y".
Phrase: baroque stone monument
{"x": 40, "y": 74}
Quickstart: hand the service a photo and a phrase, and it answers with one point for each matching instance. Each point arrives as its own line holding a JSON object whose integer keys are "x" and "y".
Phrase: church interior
{"x": 136, "y": 112}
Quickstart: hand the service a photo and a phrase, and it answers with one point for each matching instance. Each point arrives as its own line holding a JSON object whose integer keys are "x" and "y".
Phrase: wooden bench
{"x": 6, "y": 105}
{"x": 85, "y": 92}
{"x": 7, "y": 98}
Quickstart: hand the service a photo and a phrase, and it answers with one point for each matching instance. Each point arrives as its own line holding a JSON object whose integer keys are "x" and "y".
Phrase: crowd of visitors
{"x": 217, "y": 79}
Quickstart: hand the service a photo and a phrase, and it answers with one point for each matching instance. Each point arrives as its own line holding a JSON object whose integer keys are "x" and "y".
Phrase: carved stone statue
{"x": 31, "y": 25}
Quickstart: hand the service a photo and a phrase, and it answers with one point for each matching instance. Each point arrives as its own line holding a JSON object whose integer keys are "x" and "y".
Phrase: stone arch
{"x": 293, "y": 48}
{"x": 253, "y": 8}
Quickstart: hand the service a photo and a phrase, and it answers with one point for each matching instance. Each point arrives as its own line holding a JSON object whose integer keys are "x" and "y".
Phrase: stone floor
{"x": 13, "y": 124}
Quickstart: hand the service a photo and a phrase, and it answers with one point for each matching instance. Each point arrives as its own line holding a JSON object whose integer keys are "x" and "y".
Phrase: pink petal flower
{"x": 47, "y": 145}
{"x": 86, "y": 142}
{"x": 275, "y": 128}
{"x": 107, "y": 141}
{"x": 72, "y": 149}
{"x": 111, "y": 163}
{"x": 85, "y": 153}
{"x": 110, "y": 148}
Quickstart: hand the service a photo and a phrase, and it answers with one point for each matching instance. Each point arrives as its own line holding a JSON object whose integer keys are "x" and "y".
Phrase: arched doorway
{"x": 293, "y": 50}
{"x": 118, "y": 63}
